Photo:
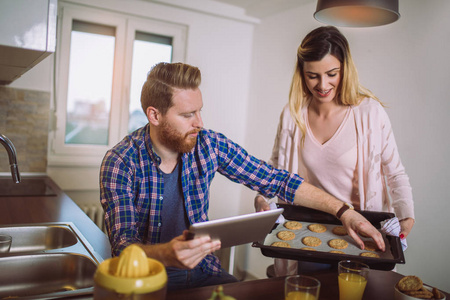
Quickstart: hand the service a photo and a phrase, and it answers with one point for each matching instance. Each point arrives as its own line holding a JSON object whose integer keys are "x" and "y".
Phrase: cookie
{"x": 338, "y": 243}
{"x": 339, "y": 230}
{"x": 437, "y": 294}
{"x": 311, "y": 241}
{"x": 293, "y": 225}
{"x": 370, "y": 246}
{"x": 369, "y": 254}
{"x": 421, "y": 294}
{"x": 280, "y": 244}
{"x": 318, "y": 228}
{"x": 286, "y": 235}
{"x": 410, "y": 283}
{"x": 308, "y": 249}
{"x": 337, "y": 252}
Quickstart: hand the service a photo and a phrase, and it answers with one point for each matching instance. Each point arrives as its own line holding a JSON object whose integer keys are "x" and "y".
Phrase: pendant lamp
{"x": 357, "y": 13}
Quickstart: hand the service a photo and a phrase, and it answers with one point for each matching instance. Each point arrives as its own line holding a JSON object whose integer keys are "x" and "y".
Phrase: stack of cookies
{"x": 412, "y": 286}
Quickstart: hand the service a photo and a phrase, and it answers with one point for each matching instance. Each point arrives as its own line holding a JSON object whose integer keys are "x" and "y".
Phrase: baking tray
{"x": 392, "y": 256}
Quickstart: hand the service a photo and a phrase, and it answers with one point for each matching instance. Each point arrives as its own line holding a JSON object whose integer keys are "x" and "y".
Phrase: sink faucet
{"x": 9, "y": 146}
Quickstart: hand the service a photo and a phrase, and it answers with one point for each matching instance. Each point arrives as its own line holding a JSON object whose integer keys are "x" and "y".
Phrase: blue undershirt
{"x": 173, "y": 214}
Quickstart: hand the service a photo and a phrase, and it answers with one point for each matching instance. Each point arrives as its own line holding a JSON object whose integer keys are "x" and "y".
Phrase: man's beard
{"x": 174, "y": 140}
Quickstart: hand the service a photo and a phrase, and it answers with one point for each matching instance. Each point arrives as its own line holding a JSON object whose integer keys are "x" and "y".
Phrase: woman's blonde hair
{"x": 314, "y": 47}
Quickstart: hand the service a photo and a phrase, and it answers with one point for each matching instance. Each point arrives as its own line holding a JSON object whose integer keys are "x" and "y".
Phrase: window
{"x": 89, "y": 85}
{"x": 161, "y": 49}
{"x": 102, "y": 62}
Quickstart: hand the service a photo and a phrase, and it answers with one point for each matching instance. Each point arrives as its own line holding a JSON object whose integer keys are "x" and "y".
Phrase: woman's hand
{"x": 406, "y": 225}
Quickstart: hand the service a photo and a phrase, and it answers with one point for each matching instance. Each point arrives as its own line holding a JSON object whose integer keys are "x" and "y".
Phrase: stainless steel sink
{"x": 39, "y": 274}
{"x": 47, "y": 261}
{"x": 39, "y": 237}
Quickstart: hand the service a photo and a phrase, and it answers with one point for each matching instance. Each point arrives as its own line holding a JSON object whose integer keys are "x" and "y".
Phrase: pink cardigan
{"x": 378, "y": 159}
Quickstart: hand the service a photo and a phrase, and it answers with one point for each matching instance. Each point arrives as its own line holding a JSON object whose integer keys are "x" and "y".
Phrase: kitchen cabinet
{"x": 27, "y": 35}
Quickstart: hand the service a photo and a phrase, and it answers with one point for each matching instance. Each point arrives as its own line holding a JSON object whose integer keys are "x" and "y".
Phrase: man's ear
{"x": 153, "y": 116}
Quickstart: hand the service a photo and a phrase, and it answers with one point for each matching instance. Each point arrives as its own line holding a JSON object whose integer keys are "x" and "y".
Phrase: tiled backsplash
{"x": 24, "y": 119}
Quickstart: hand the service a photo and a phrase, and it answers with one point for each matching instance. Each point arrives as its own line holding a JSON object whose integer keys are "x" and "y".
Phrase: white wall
{"x": 405, "y": 64}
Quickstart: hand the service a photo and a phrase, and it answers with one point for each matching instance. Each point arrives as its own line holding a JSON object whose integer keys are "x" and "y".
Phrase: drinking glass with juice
{"x": 295, "y": 295}
{"x": 352, "y": 279}
{"x": 300, "y": 287}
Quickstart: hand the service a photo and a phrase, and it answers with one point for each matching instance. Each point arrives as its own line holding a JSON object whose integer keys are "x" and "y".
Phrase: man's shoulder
{"x": 210, "y": 135}
{"x": 132, "y": 142}
{"x": 213, "y": 141}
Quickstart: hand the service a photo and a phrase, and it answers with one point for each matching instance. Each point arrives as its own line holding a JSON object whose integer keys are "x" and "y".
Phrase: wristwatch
{"x": 343, "y": 209}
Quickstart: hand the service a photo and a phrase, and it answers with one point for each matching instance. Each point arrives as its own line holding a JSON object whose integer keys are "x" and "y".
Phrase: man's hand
{"x": 261, "y": 204}
{"x": 354, "y": 222}
{"x": 313, "y": 197}
{"x": 182, "y": 253}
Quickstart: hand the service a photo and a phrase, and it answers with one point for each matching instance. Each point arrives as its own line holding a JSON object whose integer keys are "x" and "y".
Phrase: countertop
{"x": 380, "y": 286}
{"x": 50, "y": 204}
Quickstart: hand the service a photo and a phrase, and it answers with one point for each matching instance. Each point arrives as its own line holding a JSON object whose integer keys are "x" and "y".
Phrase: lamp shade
{"x": 357, "y": 13}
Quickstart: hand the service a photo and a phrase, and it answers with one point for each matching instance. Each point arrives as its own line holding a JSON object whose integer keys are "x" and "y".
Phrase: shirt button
{"x": 160, "y": 198}
{"x": 159, "y": 224}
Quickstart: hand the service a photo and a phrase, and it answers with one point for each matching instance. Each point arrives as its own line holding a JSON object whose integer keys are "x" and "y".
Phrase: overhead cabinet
{"x": 27, "y": 35}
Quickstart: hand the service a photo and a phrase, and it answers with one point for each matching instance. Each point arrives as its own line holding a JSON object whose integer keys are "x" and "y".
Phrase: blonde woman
{"x": 337, "y": 135}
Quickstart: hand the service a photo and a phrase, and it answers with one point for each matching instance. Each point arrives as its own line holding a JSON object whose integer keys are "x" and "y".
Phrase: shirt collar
{"x": 148, "y": 144}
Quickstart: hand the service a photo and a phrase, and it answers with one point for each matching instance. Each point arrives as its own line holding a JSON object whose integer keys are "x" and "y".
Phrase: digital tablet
{"x": 238, "y": 230}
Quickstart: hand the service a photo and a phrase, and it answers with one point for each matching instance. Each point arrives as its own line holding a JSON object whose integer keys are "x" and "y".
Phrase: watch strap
{"x": 343, "y": 209}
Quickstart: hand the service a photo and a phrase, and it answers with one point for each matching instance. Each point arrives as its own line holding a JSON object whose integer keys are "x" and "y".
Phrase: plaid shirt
{"x": 131, "y": 185}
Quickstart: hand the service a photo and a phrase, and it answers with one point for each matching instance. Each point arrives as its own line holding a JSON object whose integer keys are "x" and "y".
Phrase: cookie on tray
{"x": 339, "y": 230}
{"x": 286, "y": 235}
{"x": 293, "y": 225}
{"x": 317, "y": 228}
{"x": 370, "y": 246}
{"x": 308, "y": 249}
{"x": 337, "y": 251}
{"x": 311, "y": 241}
{"x": 369, "y": 254}
{"x": 280, "y": 244}
{"x": 338, "y": 243}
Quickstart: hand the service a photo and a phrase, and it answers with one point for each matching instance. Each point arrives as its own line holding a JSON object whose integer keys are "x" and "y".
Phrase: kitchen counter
{"x": 379, "y": 286}
{"x": 48, "y": 203}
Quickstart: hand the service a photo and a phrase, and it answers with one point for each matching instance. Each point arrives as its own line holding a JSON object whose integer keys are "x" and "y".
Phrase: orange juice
{"x": 297, "y": 295}
{"x": 351, "y": 286}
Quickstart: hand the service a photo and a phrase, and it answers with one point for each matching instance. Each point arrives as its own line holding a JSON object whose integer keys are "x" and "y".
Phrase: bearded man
{"x": 156, "y": 182}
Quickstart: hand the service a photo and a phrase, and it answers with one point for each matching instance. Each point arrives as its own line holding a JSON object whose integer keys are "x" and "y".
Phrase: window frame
{"x": 126, "y": 25}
